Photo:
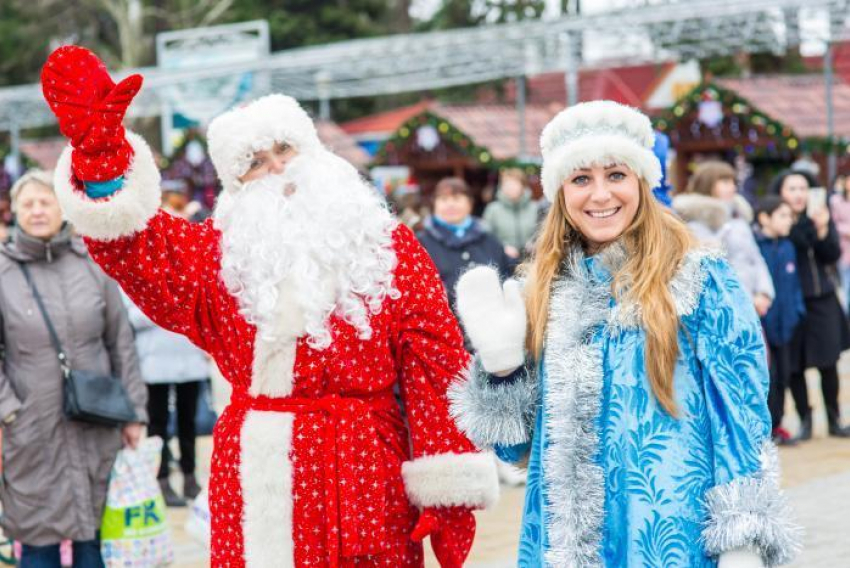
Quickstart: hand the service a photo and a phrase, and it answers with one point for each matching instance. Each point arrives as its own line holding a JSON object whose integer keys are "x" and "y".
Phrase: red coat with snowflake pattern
{"x": 340, "y": 484}
{"x": 315, "y": 463}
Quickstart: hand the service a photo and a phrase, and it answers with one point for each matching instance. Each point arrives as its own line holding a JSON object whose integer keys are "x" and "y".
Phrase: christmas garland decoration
{"x": 746, "y": 116}
{"x": 452, "y": 135}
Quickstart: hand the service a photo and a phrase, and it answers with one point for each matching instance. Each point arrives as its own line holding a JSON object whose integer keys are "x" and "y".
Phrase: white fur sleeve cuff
{"x": 751, "y": 513}
{"x": 125, "y": 212}
{"x": 491, "y": 411}
{"x": 452, "y": 480}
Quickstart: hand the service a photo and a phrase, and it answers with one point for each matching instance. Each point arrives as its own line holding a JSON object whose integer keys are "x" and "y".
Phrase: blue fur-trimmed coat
{"x": 613, "y": 479}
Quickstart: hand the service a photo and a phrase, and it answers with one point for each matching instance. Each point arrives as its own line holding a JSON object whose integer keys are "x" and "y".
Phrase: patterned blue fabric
{"x": 100, "y": 189}
{"x": 661, "y": 147}
{"x": 657, "y": 469}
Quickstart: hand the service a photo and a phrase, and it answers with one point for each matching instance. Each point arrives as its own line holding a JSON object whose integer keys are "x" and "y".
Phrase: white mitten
{"x": 740, "y": 558}
{"x": 493, "y": 317}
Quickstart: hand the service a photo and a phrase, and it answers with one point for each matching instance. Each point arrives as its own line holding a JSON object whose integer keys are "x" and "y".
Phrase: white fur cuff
{"x": 452, "y": 480}
{"x": 125, "y": 212}
{"x": 493, "y": 412}
{"x": 752, "y": 513}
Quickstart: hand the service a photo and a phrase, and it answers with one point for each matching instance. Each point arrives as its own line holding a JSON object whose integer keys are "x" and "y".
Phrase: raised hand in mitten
{"x": 90, "y": 108}
{"x": 493, "y": 317}
{"x": 452, "y": 531}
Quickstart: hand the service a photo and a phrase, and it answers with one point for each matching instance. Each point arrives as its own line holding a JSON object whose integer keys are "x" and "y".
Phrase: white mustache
{"x": 269, "y": 182}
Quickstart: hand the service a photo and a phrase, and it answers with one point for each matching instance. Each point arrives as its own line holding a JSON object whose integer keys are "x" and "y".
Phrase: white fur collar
{"x": 710, "y": 211}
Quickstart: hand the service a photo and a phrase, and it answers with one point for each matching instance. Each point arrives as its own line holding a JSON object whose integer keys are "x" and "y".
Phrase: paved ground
{"x": 816, "y": 476}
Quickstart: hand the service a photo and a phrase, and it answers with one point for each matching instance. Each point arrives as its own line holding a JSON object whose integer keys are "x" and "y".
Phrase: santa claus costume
{"x": 325, "y": 315}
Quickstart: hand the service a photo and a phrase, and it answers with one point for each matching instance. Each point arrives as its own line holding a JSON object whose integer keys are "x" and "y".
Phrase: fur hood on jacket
{"x": 710, "y": 211}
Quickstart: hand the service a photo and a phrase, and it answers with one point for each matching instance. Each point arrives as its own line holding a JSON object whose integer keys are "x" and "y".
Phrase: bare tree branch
{"x": 216, "y": 12}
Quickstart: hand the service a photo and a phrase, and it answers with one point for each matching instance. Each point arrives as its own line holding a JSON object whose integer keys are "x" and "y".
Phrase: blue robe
{"x": 613, "y": 479}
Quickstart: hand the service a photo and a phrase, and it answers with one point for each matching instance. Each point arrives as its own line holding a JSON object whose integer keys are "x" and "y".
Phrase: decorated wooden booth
{"x": 472, "y": 142}
{"x": 769, "y": 121}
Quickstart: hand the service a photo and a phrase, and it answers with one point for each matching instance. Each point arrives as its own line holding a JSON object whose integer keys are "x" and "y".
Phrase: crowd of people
{"x": 791, "y": 258}
{"x": 644, "y": 328}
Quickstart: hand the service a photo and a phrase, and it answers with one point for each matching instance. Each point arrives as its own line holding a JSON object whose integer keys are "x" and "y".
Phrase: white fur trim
{"x": 597, "y": 133}
{"x": 274, "y": 353}
{"x": 235, "y": 135}
{"x": 582, "y": 118}
{"x": 493, "y": 411}
{"x": 125, "y": 212}
{"x": 265, "y": 470}
{"x": 274, "y": 362}
{"x": 590, "y": 151}
{"x": 703, "y": 209}
{"x": 452, "y": 480}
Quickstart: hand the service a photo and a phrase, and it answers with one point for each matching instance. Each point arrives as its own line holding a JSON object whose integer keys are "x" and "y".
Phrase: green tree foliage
{"x": 21, "y": 50}
{"x": 27, "y": 30}
{"x": 296, "y": 23}
{"x": 454, "y": 14}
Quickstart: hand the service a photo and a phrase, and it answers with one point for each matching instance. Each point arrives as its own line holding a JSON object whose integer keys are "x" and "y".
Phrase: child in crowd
{"x": 775, "y": 219}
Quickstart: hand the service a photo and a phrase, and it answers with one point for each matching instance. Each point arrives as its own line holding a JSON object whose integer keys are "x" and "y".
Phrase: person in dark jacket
{"x": 775, "y": 219}
{"x": 824, "y": 333}
{"x": 457, "y": 241}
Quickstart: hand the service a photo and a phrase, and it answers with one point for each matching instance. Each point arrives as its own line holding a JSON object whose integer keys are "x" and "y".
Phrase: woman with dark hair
{"x": 455, "y": 239}
{"x": 824, "y": 334}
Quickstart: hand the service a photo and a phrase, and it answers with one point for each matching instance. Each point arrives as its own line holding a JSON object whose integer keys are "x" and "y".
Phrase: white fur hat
{"x": 597, "y": 133}
{"x": 234, "y": 136}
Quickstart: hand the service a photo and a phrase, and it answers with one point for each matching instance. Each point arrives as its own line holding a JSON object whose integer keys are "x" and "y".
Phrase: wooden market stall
{"x": 468, "y": 141}
{"x": 771, "y": 121}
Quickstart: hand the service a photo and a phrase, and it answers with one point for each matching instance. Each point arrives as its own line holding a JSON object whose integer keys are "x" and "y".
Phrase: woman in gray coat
{"x": 55, "y": 471}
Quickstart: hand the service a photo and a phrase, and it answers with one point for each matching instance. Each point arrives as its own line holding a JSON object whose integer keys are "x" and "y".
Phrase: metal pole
{"x": 323, "y": 81}
{"x": 520, "y": 111}
{"x": 832, "y": 159}
{"x": 571, "y": 76}
{"x": 15, "y": 143}
{"x": 166, "y": 126}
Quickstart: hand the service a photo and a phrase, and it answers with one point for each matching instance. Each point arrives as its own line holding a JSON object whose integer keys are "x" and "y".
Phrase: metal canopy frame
{"x": 675, "y": 30}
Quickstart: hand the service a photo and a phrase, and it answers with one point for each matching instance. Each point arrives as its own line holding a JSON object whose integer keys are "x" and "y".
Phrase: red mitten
{"x": 452, "y": 530}
{"x": 90, "y": 108}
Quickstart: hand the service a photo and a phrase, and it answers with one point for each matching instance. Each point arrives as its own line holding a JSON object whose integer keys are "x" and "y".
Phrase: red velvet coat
{"x": 335, "y": 472}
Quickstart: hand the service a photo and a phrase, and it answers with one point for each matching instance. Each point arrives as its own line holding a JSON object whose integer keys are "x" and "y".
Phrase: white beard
{"x": 293, "y": 261}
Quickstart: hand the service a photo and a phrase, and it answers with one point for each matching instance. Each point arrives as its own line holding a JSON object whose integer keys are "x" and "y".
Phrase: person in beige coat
{"x": 56, "y": 470}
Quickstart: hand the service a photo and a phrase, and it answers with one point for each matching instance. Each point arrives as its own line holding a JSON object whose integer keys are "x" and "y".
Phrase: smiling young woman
{"x": 628, "y": 369}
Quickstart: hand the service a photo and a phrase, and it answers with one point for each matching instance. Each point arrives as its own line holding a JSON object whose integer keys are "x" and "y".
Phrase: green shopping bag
{"x": 134, "y": 531}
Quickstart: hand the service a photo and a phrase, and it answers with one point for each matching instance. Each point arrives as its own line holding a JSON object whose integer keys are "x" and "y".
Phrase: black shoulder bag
{"x": 88, "y": 397}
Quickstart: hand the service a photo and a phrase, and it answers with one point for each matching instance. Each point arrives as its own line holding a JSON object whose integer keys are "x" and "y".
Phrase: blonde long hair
{"x": 655, "y": 243}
